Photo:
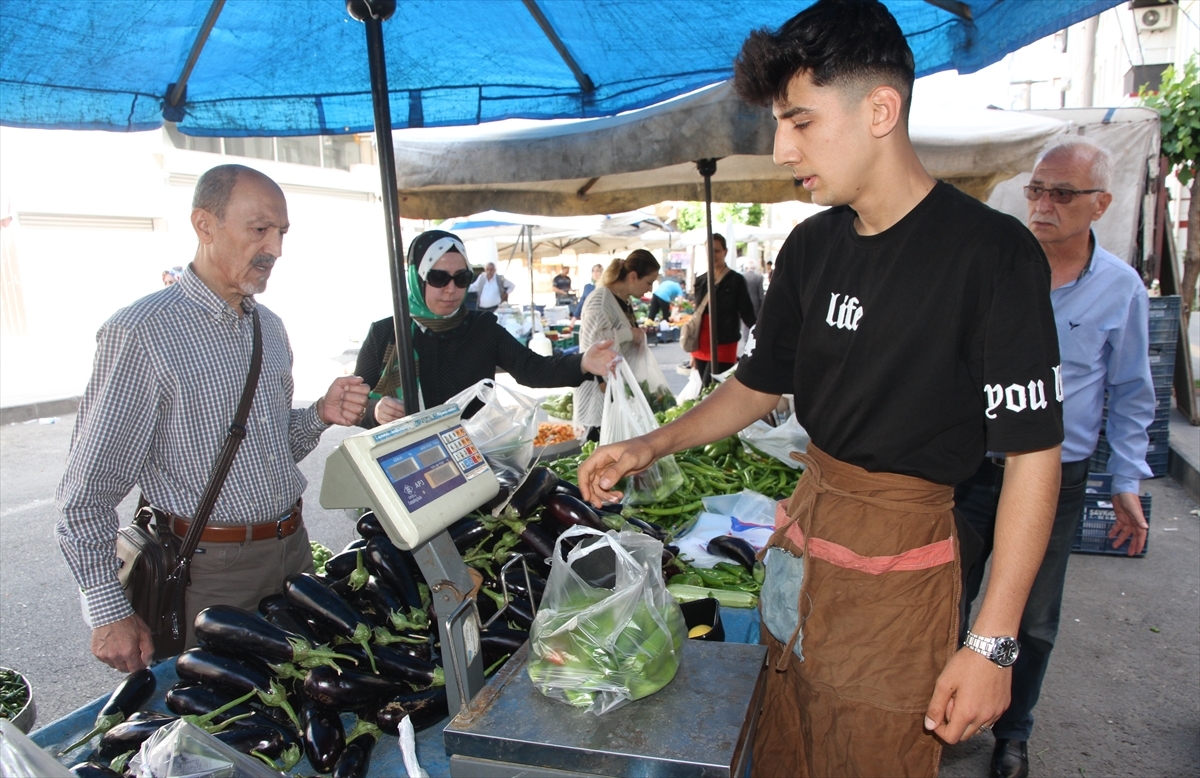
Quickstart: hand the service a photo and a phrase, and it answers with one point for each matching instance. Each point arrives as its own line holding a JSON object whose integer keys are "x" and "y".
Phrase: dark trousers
{"x": 657, "y": 306}
{"x": 705, "y": 370}
{"x": 976, "y": 500}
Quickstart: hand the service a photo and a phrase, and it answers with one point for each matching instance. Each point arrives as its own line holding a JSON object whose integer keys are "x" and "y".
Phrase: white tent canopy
{"x": 643, "y": 157}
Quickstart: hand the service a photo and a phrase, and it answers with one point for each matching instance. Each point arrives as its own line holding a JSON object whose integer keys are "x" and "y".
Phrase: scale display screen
{"x": 432, "y": 467}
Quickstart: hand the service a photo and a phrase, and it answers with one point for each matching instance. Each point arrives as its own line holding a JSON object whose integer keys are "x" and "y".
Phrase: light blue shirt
{"x": 1103, "y": 340}
{"x": 668, "y": 290}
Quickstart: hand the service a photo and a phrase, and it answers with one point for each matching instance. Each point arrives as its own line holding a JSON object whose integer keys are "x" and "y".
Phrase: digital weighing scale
{"x": 422, "y": 473}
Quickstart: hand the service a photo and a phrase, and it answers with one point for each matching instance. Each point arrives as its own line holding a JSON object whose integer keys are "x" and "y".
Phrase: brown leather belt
{"x": 243, "y": 533}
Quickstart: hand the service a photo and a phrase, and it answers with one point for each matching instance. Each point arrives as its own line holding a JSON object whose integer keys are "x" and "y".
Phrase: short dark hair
{"x": 855, "y": 43}
{"x": 215, "y": 187}
{"x": 719, "y": 238}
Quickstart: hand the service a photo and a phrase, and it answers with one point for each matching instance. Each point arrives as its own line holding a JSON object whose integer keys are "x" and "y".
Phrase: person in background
{"x": 608, "y": 317}
{"x": 172, "y": 275}
{"x": 491, "y": 288}
{"x": 664, "y": 294}
{"x": 562, "y": 288}
{"x": 732, "y": 302}
{"x": 455, "y": 348}
{"x": 754, "y": 286}
{"x": 155, "y": 414}
{"x": 1101, "y": 311}
{"x": 913, "y": 325}
{"x": 588, "y": 288}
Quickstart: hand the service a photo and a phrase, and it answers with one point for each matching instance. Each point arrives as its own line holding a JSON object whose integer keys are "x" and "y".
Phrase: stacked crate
{"x": 1099, "y": 518}
{"x": 1164, "y": 334}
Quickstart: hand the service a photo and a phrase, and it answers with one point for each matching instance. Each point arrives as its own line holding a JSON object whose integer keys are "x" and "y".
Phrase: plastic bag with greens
{"x": 627, "y": 415}
{"x": 607, "y": 631}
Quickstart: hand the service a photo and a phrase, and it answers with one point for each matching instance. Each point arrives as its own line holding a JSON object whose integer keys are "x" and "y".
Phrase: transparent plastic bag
{"x": 650, "y": 377}
{"x": 627, "y": 415}
{"x": 183, "y": 750}
{"x": 607, "y": 631}
{"x": 778, "y": 442}
{"x": 504, "y": 428}
{"x": 20, "y": 757}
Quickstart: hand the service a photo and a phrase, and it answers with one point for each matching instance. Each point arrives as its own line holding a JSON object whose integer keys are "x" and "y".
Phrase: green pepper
{"x": 716, "y": 577}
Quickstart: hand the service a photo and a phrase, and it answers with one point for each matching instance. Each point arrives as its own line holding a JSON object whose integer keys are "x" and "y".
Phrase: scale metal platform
{"x": 701, "y": 725}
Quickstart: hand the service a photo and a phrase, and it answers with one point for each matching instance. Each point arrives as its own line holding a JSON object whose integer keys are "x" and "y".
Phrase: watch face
{"x": 1006, "y": 651}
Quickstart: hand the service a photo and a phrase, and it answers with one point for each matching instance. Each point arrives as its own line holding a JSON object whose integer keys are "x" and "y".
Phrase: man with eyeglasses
{"x": 1101, "y": 312}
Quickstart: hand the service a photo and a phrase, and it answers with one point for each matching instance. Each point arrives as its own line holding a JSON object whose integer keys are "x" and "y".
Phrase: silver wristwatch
{"x": 1003, "y": 650}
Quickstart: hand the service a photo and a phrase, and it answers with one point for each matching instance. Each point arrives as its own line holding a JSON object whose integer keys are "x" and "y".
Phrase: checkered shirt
{"x": 168, "y": 374}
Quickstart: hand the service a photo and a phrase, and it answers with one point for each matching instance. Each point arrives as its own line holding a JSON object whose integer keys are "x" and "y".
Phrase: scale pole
{"x": 372, "y": 13}
{"x": 707, "y": 168}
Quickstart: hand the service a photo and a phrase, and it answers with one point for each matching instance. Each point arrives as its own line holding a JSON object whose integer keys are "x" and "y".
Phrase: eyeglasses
{"x": 1060, "y": 196}
{"x": 440, "y": 278}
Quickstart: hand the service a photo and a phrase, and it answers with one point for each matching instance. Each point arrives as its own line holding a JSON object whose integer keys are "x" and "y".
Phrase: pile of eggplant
{"x": 275, "y": 684}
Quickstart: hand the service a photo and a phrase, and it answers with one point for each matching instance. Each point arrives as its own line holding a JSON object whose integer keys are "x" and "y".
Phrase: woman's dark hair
{"x": 639, "y": 261}
{"x": 719, "y": 238}
{"x": 855, "y": 44}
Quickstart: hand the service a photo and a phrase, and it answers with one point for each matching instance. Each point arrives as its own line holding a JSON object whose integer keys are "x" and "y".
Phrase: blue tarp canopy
{"x": 298, "y": 67}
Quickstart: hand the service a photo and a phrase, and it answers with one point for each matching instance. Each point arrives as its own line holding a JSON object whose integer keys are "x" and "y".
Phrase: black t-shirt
{"x": 916, "y": 350}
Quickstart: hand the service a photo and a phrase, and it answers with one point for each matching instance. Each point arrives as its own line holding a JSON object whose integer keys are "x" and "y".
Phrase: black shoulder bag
{"x": 155, "y": 564}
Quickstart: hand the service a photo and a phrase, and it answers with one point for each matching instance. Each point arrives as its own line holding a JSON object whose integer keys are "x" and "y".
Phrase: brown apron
{"x": 879, "y": 618}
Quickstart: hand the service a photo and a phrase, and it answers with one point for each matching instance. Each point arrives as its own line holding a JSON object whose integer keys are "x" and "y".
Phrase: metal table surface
{"x": 741, "y": 626}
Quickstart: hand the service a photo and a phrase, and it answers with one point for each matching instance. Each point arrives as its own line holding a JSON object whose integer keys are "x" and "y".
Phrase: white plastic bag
{"x": 20, "y": 757}
{"x": 505, "y": 427}
{"x": 650, "y": 377}
{"x": 627, "y": 415}
{"x": 607, "y": 631}
{"x": 693, "y": 387}
{"x": 183, "y": 750}
{"x": 778, "y": 442}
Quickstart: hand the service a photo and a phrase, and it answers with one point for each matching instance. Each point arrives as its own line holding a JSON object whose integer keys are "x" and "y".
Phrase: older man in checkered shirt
{"x": 167, "y": 378}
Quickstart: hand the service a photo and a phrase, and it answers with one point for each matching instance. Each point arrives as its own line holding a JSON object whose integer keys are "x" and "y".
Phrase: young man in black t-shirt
{"x": 913, "y": 325}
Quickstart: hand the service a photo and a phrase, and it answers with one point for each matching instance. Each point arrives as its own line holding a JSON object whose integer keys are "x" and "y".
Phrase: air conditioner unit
{"x": 1151, "y": 19}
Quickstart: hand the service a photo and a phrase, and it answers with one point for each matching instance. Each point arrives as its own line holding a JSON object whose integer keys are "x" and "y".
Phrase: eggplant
{"x": 539, "y": 540}
{"x": 401, "y": 666}
{"x": 130, "y": 695}
{"x": 388, "y": 564}
{"x": 287, "y": 621}
{"x": 321, "y": 604}
{"x": 232, "y": 630}
{"x": 349, "y": 689}
{"x": 612, "y": 507}
{"x": 271, "y": 603}
{"x": 129, "y": 736}
{"x": 533, "y": 590}
{"x": 188, "y": 698}
{"x": 733, "y": 548}
{"x": 508, "y": 482}
{"x": 369, "y": 526}
{"x": 93, "y": 770}
{"x": 538, "y": 485}
{"x": 342, "y": 564}
{"x": 566, "y": 487}
{"x": 382, "y": 597}
{"x": 267, "y": 741}
{"x": 519, "y": 610}
{"x": 425, "y": 708}
{"x": 236, "y": 675}
{"x": 533, "y": 560}
{"x": 647, "y": 528}
{"x": 467, "y": 533}
{"x": 569, "y": 512}
{"x": 496, "y": 642}
{"x": 355, "y": 760}
{"x": 324, "y": 736}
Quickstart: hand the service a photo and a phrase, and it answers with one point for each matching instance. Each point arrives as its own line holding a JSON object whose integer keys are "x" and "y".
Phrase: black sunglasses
{"x": 1060, "y": 196}
{"x": 440, "y": 278}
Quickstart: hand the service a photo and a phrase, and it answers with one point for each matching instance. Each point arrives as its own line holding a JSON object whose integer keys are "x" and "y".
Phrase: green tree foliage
{"x": 691, "y": 215}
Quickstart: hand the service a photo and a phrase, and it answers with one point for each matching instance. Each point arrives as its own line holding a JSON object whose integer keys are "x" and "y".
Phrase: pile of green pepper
{"x": 14, "y": 694}
{"x": 560, "y": 406}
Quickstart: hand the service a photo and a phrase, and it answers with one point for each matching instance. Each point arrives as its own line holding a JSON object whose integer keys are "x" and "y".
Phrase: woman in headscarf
{"x": 455, "y": 348}
{"x": 608, "y": 317}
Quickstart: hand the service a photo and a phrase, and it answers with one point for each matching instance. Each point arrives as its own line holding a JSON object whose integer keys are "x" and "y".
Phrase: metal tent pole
{"x": 527, "y": 234}
{"x": 707, "y": 168}
{"x": 438, "y": 559}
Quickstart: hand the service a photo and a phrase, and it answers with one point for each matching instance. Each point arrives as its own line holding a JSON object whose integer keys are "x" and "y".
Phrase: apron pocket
{"x": 780, "y": 596}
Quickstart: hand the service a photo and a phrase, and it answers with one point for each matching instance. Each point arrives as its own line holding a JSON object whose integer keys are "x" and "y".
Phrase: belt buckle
{"x": 997, "y": 461}
{"x": 279, "y": 529}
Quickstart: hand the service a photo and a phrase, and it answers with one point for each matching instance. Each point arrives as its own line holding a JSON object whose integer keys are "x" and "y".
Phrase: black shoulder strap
{"x": 237, "y": 433}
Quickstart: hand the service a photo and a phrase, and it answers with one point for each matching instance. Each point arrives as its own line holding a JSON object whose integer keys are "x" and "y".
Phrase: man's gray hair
{"x": 1101, "y": 160}
{"x": 215, "y": 187}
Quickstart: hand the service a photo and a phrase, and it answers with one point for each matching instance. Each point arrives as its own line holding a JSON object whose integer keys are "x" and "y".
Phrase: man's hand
{"x": 598, "y": 357}
{"x": 1131, "y": 522}
{"x": 345, "y": 402}
{"x": 124, "y": 645}
{"x": 388, "y": 409}
{"x": 971, "y": 691}
{"x": 609, "y": 464}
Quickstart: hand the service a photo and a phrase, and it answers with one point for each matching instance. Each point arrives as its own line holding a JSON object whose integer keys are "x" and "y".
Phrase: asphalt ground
{"x": 1121, "y": 697}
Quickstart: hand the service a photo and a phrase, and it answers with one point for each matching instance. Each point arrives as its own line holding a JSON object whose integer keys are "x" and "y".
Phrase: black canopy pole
{"x": 707, "y": 168}
{"x": 372, "y": 14}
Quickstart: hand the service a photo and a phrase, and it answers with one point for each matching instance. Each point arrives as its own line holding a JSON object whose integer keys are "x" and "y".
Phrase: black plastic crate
{"x": 1099, "y": 518}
